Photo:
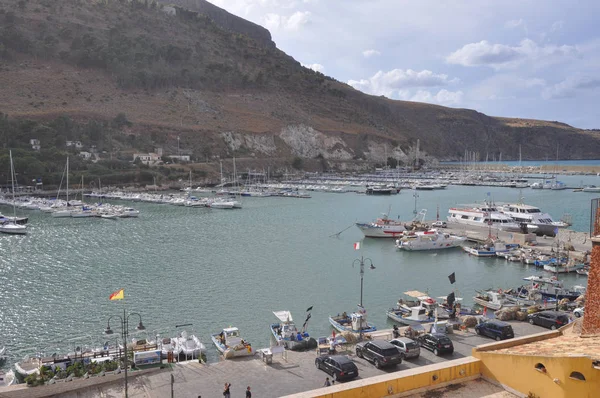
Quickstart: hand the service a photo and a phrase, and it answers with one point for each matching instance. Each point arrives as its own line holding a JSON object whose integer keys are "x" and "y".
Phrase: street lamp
{"x": 124, "y": 333}
{"x": 361, "y": 261}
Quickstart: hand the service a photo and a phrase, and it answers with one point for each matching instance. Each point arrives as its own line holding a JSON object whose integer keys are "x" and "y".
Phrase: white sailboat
{"x": 11, "y": 227}
{"x": 59, "y": 212}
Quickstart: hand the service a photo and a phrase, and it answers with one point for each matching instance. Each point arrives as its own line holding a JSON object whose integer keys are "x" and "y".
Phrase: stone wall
{"x": 591, "y": 319}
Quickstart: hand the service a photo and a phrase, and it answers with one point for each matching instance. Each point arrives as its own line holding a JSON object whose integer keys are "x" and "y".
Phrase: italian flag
{"x": 357, "y": 246}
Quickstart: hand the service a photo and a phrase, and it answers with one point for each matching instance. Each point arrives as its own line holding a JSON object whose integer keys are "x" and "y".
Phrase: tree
{"x": 121, "y": 120}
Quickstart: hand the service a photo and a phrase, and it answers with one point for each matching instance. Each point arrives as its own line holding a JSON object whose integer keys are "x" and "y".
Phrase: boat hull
{"x": 487, "y": 304}
{"x": 230, "y": 352}
{"x": 373, "y": 231}
{"x": 342, "y": 328}
{"x": 396, "y": 316}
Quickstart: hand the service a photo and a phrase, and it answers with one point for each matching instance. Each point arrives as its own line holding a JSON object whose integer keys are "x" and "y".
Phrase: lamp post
{"x": 124, "y": 333}
{"x": 361, "y": 261}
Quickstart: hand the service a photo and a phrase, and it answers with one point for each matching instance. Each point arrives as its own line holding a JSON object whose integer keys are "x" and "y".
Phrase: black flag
{"x": 450, "y": 299}
{"x": 306, "y": 321}
{"x": 309, "y": 309}
{"x": 452, "y": 278}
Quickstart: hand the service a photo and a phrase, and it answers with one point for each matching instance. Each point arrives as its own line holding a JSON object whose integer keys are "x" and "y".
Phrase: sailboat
{"x": 59, "y": 213}
{"x": 11, "y": 226}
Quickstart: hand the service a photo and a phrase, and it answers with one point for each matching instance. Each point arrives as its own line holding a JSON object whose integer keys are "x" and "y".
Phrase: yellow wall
{"x": 402, "y": 381}
{"x": 518, "y": 372}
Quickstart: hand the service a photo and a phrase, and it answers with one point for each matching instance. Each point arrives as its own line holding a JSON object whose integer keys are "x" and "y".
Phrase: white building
{"x": 181, "y": 158}
{"x": 76, "y": 144}
{"x": 85, "y": 155}
{"x": 147, "y": 158}
{"x": 35, "y": 144}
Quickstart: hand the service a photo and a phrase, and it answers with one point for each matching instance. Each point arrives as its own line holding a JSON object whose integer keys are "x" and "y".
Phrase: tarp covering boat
{"x": 283, "y": 316}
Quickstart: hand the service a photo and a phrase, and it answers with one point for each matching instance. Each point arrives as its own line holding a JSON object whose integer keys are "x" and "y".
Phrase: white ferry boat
{"x": 532, "y": 215}
{"x": 483, "y": 217}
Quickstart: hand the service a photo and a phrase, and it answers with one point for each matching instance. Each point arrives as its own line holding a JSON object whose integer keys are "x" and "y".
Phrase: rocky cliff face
{"x": 226, "y": 20}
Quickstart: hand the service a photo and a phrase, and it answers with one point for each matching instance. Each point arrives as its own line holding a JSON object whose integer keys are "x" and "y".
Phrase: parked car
{"x": 381, "y": 353}
{"x": 339, "y": 367}
{"x": 578, "y": 312}
{"x": 408, "y": 348}
{"x": 437, "y": 343}
{"x": 495, "y": 329}
{"x": 440, "y": 224}
{"x": 548, "y": 319}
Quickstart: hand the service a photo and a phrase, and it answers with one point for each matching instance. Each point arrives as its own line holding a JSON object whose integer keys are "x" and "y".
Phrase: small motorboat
{"x": 190, "y": 345}
{"x": 287, "y": 334}
{"x": 355, "y": 322}
{"x": 231, "y": 345}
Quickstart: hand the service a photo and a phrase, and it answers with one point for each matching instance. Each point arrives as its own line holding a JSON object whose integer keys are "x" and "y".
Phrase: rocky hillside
{"x": 187, "y": 69}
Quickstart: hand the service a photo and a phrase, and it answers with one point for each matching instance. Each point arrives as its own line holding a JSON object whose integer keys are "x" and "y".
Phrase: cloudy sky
{"x": 516, "y": 58}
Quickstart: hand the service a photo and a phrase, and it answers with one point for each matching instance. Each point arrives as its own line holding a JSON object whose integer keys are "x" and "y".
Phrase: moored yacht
{"x": 429, "y": 240}
{"x": 532, "y": 215}
{"x": 484, "y": 216}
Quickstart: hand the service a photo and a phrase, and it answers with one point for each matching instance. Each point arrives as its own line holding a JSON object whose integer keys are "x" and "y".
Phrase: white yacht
{"x": 483, "y": 216}
{"x": 532, "y": 215}
{"x": 429, "y": 240}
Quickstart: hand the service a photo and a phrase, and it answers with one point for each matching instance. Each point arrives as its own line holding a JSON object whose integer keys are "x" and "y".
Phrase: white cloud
{"x": 499, "y": 56}
{"x": 558, "y": 25}
{"x": 571, "y": 86}
{"x": 370, "y": 53}
{"x": 315, "y": 67}
{"x": 389, "y": 83}
{"x": 293, "y": 23}
{"x": 443, "y": 97}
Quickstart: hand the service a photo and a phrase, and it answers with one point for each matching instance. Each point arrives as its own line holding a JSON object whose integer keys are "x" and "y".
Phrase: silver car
{"x": 408, "y": 348}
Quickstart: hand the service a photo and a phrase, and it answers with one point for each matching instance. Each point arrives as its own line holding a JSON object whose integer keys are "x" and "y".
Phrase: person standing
{"x": 226, "y": 390}
{"x": 327, "y": 383}
{"x": 248, "y": 393}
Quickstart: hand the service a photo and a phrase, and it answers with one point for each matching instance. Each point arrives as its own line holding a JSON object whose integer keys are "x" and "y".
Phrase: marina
{"x": 296, "y": 235}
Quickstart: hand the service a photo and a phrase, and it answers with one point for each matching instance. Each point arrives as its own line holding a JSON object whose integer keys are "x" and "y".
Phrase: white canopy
{"x": 284, "y": 316}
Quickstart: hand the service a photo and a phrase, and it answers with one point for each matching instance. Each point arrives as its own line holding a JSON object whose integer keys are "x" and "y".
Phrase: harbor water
{"x": 219, "y": 268}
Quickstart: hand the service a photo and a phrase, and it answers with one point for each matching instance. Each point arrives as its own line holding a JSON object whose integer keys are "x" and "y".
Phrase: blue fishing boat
{"x": 356, "y": 322}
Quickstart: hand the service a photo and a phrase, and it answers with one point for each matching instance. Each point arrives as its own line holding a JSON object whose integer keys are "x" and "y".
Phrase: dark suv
{"x": 437, "y": 343}
{"x": 381, "y": 353}
{"x": 495, "y": 329}
{"x": 338, "y": 366}
{"x": 548, "y": 319}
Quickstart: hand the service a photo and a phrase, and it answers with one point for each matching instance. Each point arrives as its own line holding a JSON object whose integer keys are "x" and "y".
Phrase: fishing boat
{"x": 429, "y": 240}
{"x": 356, "y": 322}
{"x": 383, "y": 227}
{"x": 563, "y": 268}
{"x": 493, "y": 300}
{"x": 423, "y": 309}
{"x": 231, "y": 345}
{"x": 169, "y": 345}
{"x": 287, "y": 334}
{"x": 553, "y": 289}
{"x": 11, "y": 227}
{"x": 490, "y": 249}
{"x": 190, "y": 345}
{"x": 584, "y": 271}
{"x": 27, "y": 366}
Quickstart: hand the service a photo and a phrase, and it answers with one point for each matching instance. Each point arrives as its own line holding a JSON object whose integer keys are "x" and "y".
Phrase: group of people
{"x": 227, "y": 391}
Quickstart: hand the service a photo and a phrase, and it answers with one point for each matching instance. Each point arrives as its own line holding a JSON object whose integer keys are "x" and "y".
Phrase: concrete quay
{"x": 290, "y": 374}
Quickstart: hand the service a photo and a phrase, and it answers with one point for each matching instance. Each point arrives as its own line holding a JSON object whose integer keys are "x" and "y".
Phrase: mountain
{"x": 184, "y": 75}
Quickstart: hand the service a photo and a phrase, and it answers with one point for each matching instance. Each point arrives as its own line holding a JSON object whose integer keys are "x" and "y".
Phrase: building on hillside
{"x": 35, "y": 144}
{"x": 180, "y": 158}
{"x": 85, "y": 155}
{"x": 147, "y": 158}
{"x": 169, "y": 10}
{"x": 76, "y": 144}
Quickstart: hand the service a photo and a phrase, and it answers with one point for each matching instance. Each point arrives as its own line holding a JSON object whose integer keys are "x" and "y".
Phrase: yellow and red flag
{"x": 118, "y": 295}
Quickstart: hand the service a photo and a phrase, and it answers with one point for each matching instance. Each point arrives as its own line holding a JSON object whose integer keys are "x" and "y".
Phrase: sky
{"x": 528, "y": 59}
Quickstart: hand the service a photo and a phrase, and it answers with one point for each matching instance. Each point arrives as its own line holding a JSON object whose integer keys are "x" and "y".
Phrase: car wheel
{"x": 318, "y": 365}
{"x": 477, "y": 331}
{"x": 553, "y": 327}
{"x": 359, "y": 354}
{"x": 436, "y": 352}
{"x": 498, "y": 338}
{"x": 577, "y": 314}
{"x": 531, "y": 321}
{"x": 377, "y": 364}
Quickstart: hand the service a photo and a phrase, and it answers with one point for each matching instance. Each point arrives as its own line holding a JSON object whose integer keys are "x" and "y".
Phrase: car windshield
{"x": 389, "y": 351}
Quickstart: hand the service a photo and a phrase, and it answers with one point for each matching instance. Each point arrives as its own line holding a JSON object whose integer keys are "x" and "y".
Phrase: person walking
{"x": 248, "y": 393}
{"x": 327, "y": 383}
{"x": 226, "y": 390}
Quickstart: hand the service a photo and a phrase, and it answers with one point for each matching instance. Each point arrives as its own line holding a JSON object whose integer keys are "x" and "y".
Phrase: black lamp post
{"x": 361, "y": 261}
{"x": 124, "y": 333}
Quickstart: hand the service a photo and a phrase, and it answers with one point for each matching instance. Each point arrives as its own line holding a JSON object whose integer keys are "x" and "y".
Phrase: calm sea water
{"x": 583, "y": 162}
{"x": 216, "y": 268}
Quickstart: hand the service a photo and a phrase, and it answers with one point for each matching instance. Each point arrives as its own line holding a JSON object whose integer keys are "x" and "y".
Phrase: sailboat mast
{"x": 12, "y": 180}
{"x": 67, "y": 181}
